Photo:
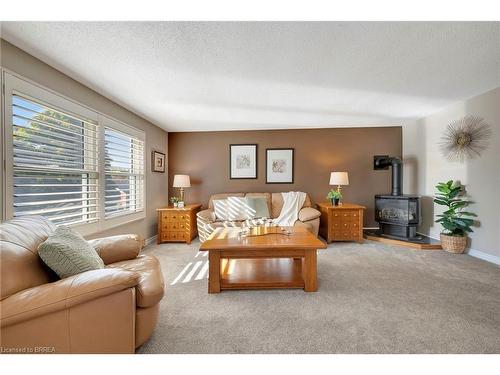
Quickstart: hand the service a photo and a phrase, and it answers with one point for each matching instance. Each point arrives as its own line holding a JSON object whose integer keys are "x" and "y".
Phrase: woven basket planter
{"x": 453, "y": 244}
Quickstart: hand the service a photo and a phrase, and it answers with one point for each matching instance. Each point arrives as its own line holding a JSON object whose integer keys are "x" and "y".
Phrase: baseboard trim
{"x": 476, "y": 253}
{"x": 484, "y": 256}
{"x": 151, "y": 240}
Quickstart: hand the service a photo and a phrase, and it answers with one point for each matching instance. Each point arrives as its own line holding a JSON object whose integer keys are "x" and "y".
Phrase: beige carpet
{"x": 372, "y": 298}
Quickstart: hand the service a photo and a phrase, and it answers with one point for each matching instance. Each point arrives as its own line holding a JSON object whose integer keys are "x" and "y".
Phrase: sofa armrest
{"x": 63, "y": 294}
{"x": 206, "y": 216}
{"x": 117, "y": 248}
{"x": 308, "y": 213}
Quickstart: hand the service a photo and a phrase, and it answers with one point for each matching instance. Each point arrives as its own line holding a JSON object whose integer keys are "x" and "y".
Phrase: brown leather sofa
{"x": 111, "y": 310}
{"x": 207, "y": 222}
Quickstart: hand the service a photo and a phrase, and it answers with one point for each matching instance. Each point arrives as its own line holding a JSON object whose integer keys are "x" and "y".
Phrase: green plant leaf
{"x": 441, "y": 202}
{"x": 459, "y": 204}
{"x": 466, "y": 213}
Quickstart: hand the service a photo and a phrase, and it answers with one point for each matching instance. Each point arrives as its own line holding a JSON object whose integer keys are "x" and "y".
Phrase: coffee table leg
{"x": 309, "y": 273}
{"x": 214, "y": 271}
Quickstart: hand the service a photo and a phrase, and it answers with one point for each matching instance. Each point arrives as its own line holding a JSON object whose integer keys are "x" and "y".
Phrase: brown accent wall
{"x": 205, "y": 157}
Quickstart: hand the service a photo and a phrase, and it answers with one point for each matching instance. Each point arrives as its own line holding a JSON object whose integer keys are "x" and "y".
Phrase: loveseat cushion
{"x": 267, "y": 196}
{"x": 223, "y": 196}
{"x": 308, "y": 213}
{"x": 150, "y": 289}
{"x": 67, "y": 253}
{"x": 257, "y": 207}
{"x": 117, "y": 248}
{"x": 277, "y": 204}
{"x": 20, "y": 266}
{"x": 62, "y": 294}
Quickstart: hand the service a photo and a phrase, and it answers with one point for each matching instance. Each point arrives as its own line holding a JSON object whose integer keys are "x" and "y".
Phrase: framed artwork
{"x": 158, "y": 161}
{"x": 279, "y": 166}
{"x": 242, "y": 161}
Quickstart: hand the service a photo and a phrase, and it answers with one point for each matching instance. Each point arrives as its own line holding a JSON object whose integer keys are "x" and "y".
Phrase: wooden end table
{"x": 177, "y": 224}
{"x": 341, "y": 223}
{"x": 265, "y": 259}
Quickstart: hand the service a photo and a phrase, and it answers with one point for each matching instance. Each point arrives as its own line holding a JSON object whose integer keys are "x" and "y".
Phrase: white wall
{"x": 425, "y": 167}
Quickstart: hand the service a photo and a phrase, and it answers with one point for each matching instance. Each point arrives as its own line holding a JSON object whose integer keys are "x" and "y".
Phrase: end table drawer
{"x": 175, "y": 236}
{"x": 176, "y": 225}
{"x": 175, "y": 216}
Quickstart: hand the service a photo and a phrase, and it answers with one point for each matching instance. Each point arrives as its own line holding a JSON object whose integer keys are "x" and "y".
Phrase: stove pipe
{"x": 384, "y": 162}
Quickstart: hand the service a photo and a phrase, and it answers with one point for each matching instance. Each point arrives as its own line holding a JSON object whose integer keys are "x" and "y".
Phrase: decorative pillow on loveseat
{"x": 67, "y": 253}
{"x": 220, "y": 209}
{"x": 257, "y": 207}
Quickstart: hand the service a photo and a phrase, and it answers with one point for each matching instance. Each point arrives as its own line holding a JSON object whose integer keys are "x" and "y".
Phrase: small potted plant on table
{"x": 174, "y": 201}
{"x": 334, "y": 196}
{"x": 455, "y": 221}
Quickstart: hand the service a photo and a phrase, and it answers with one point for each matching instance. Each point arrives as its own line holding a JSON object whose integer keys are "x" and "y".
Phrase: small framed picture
{"x": 279, "y": 166}
{"x": 242, "y": 161}
{"x": 158, "y": 161}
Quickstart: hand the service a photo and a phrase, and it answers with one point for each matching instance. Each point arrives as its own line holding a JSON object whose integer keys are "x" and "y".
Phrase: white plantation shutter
{"x": 55, "y": 163}
{"x": 67, "y": 162}
{"x": 124, "y": 172}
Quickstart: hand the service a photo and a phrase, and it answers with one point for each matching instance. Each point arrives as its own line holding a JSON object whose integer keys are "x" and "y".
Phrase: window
{"x": 124, "y": 173}
{"x": 54, "y": 163}
{"x": 67, "y": 162}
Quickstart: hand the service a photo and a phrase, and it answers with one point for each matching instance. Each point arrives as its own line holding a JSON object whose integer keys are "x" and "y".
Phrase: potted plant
{"x": 455, "y": 221}
{"x": 174, "y": 201}
{"x": 334, "y": 196}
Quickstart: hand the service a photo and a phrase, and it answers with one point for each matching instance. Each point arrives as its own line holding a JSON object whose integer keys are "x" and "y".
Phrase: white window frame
{"x": 12, "y": 84}
{"x": 108, "y": 122}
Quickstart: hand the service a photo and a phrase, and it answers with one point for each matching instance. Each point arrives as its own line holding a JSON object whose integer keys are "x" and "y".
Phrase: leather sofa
{"x": 207, "y": 221}
{"x": 110, "y": 310}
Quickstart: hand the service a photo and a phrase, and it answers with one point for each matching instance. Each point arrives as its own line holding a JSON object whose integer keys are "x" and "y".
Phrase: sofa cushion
{"x": 277, "y": 204}
{"x": 223, "y": 196}
{"x": 20, "y": 266}
{"x": 220, "y": 209}
{"x": 226, "y": 224}
{"x": 257, "y": 207}
{"x": 261, "y": 195}
{"x": 149, "y": 290}
{"x": 68, "y": 254}
{"x": 234, "y": 209}
{"x": 308, "y": 213}
{"x": 237, "y": 209}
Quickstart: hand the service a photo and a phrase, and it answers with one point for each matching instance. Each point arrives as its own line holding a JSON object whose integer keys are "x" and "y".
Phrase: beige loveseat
{"x": 207, "y": 221}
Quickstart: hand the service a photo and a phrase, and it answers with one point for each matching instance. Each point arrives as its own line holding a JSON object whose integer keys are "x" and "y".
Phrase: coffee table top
{"x": 262, "y": 238}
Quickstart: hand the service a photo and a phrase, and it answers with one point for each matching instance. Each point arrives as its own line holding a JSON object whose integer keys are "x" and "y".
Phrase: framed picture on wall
{"x": 279, "y": 166}
{"x": 242, "y": 161}
{"x": 158, "y": 161}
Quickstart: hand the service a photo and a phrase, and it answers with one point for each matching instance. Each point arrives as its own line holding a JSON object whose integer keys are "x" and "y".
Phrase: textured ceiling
{"x": 192, "y": 76}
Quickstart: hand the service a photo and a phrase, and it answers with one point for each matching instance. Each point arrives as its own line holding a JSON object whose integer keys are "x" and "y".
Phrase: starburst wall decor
{"x": 465, "y": 139}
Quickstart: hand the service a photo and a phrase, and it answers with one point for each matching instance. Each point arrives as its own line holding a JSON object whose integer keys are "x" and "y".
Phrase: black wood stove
{"x": 398, "y": 215}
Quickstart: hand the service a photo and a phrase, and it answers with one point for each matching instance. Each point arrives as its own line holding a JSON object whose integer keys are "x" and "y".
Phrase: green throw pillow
{"x": 67, "y": 253}
{"x": 259, "y": 205}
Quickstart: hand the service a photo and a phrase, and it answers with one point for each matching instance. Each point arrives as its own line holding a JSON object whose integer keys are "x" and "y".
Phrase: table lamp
{"x": 339, "y": 178}
{"x": 181, "y": 181}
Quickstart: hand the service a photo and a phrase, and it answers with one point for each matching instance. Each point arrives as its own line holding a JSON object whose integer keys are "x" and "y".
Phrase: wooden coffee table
{"x": 265, "y": 259}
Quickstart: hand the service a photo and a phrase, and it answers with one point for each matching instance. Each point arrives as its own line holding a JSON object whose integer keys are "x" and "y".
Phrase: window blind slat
{"x": 49, "y": 210}
{"x": 51, "y": 135}
{"x": 55, "y": 163}
{"x": 19, "y": 101}
{"x": 124, "y": 171}
{"x": 20, "y": 119}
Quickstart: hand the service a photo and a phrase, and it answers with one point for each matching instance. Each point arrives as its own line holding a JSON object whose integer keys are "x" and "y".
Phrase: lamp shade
{"x": 339, "y": 178}
{"x": 181, "y": 181}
